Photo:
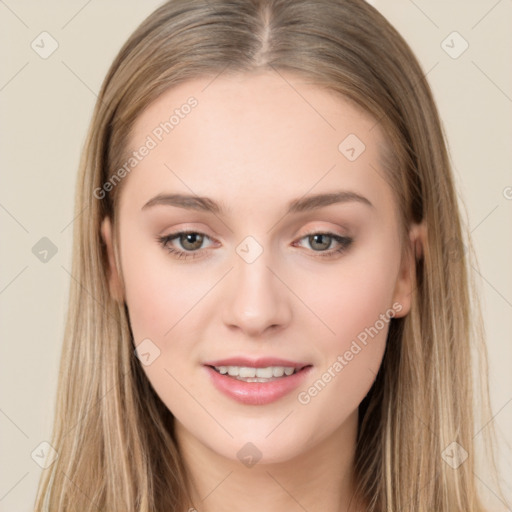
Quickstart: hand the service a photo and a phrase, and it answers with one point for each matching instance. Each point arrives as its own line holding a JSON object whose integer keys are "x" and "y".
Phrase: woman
{"x": 272, "y": 305}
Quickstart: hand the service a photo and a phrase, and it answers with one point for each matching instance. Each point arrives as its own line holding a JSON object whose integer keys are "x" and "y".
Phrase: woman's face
{"x": 270, "y": 276}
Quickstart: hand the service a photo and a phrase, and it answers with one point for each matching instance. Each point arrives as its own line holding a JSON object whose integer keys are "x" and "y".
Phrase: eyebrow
{"x": 307, "y": 203}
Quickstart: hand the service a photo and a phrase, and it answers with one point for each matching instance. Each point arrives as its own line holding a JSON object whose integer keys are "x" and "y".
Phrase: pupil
{"x": 193, "y": 238}
{"x": 325, "y": 244}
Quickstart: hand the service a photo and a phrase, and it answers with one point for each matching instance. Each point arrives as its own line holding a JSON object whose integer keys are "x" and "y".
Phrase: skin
{"x": 254, "y": 144}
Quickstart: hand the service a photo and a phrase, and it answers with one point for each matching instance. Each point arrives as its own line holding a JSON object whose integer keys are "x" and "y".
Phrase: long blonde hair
{"x": 114, "y": 436}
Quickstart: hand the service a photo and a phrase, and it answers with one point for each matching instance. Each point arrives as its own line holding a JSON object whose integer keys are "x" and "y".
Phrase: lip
{"x": 261, "y": 362}
{"x": 256, "y": 393}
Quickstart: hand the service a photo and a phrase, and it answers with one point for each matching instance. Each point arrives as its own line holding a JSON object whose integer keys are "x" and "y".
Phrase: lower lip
{"x": 257, "y": 393}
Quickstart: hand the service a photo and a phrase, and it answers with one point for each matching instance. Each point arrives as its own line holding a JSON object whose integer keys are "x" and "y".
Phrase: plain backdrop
{"x": 46, "y": 105}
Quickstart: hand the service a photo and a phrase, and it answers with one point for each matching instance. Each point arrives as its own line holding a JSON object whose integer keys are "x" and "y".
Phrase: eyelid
{"x": 327, "y": 231}
{"x": 344, "y": 242}
{"x": 185, "y": 231}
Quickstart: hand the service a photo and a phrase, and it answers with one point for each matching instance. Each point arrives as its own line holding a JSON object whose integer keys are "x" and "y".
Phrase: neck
{"x": 321, "y": 478}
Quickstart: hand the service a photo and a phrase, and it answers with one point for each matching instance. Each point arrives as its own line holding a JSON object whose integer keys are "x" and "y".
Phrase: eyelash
{"x": 344, "y": 242}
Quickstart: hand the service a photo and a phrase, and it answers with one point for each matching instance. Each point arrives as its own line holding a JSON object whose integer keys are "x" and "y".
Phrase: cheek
{"x": 161, "y": 297}
{"x": 355, "y": 302}
{"x": 351, "y": 297}
{"x": 157, "y": 293}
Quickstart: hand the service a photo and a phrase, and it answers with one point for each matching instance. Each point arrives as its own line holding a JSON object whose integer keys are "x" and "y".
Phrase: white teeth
{"x": 244, "y": 371}
{"x": 263, "y": 373}
{"x": 260, "y": 373}
{"x": 233, "y": 370}
{"x": 278, "y": 371}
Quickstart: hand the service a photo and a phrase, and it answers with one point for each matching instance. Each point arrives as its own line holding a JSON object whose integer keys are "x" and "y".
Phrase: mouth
{"x": 253, "y": 374}
{"x": 256, "y": 382}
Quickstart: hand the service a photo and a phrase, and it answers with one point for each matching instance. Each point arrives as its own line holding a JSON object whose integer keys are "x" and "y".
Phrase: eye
{"x": 191, "y": 241}
{"x": 319, "y": 241}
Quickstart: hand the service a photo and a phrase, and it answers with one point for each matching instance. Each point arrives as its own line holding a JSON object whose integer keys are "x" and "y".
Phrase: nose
{"x": 257, "y": 300}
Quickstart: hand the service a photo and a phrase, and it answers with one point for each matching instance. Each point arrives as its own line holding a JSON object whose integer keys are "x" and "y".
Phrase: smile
{"x": 251, "y": 385}
{"x": 249, "y": 374}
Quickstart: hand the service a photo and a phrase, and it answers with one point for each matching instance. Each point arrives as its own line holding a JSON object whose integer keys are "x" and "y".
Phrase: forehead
{"x": 262, "y": 135}
{"x": 227, "y": 104}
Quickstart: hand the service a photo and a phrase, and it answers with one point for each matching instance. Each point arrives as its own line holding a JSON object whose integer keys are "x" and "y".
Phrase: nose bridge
{"x": 258, "y": 299}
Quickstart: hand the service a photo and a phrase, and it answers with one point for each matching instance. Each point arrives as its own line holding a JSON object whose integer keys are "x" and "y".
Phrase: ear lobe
{"x": 116, "y": 289}
{"x": 406, "y": 280}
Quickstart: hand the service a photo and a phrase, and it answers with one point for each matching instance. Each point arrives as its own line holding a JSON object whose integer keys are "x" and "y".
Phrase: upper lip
{"x": 260, "y": 362}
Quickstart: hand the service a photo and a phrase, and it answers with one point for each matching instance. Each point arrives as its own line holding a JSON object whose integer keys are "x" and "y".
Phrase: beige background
{"x": 46, "y": 106}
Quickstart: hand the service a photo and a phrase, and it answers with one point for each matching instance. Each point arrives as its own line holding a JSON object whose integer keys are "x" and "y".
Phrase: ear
{"x": 406, "y": 280}
{"x": 115, "y": 286}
